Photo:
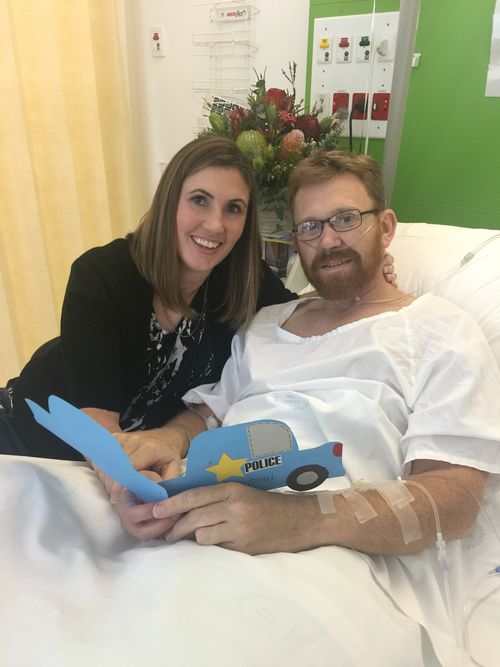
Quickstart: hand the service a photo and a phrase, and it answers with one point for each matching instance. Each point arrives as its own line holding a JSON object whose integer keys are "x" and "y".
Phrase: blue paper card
{"x": 263, "y": 454}
{"x": 97, "y": 444}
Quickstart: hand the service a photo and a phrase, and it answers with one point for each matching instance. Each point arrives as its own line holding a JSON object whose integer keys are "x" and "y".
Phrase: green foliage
{"x": 275, "y": 132}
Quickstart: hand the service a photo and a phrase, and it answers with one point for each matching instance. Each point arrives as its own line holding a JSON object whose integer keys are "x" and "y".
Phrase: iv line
{"x": 465, "y": 260}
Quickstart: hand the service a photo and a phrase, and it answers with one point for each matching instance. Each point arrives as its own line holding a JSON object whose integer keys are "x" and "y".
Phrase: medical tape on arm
{"x": 398, "y": 498}
{"x": 362, "y": 509}
{"x": 358, "y": 504}
{"x": 326, "y": 502}
{"x": 396, "y": 495}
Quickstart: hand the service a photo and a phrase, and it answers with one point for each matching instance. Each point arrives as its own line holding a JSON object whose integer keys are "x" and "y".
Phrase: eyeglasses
{"x": 340, "y": 222}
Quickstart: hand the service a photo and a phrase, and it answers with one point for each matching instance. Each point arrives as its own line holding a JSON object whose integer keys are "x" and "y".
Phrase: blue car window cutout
{"x": 263, "y": 454}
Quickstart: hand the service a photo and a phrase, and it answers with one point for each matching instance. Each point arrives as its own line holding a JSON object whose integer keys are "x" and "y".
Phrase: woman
{"x": 148, "y": 317}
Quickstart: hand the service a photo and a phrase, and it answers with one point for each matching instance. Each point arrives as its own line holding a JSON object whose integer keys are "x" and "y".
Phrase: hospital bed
{"x": 75, "y": 590}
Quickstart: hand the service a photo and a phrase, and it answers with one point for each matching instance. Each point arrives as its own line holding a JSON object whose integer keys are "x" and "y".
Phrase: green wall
{"x": 449, "y": 162}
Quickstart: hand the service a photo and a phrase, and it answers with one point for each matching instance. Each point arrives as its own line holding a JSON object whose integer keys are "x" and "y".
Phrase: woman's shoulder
{"x": 111, "y": 262}
{"x": 110, "y": 268}
{"x": 116, "y": 252}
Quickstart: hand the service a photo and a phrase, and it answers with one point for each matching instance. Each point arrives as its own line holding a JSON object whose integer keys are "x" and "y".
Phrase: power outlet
{"x": 340, "y": 101}
{"x": 380, "y": 106}
{"x": 359, "y": 100}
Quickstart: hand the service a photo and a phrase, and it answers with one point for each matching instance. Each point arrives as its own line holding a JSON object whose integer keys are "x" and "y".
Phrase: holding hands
{"x": 156, "y": 453}
{"x": 231, "y": 515}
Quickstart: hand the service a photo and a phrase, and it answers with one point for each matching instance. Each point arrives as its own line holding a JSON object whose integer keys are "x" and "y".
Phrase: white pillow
{"x": 458, "y": 263}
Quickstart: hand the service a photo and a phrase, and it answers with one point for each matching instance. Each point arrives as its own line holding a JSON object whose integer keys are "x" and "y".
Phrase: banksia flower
{"x": 291, "y": 143}
{"x": 251, "y": 143}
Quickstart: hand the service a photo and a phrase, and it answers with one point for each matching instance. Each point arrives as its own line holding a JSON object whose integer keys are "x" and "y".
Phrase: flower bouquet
{"x": 275, "y": 132}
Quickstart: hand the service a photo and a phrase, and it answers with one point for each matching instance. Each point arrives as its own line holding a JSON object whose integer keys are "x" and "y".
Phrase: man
{"x": 408, "y": 385}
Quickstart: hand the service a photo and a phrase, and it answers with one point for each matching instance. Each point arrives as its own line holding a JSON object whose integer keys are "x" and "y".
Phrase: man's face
{"x": 340, "y": 265}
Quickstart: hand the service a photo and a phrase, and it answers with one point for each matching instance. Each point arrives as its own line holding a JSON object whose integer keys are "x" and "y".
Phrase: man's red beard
{"x": 348, "y": 282}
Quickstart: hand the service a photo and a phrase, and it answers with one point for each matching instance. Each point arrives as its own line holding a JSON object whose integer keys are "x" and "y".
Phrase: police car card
{"x": 95, "y": 443}
{"x": 263, "y": 454}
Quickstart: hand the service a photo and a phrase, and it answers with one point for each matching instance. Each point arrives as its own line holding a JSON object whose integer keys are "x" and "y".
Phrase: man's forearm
{"x": 453, "y": 491}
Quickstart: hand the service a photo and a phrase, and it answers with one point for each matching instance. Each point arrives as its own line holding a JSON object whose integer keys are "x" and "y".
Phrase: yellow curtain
{"x": 69, "y": 178}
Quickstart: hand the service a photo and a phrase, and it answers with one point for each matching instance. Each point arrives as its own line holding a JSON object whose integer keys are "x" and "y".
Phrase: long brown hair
{"x": 154, "y": 242}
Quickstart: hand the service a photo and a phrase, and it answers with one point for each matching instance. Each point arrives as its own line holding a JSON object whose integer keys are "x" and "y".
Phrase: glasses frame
{"x": 329, "y": 221}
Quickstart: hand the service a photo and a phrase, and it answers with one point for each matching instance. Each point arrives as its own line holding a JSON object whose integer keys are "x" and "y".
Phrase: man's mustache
{"x": 337, "y": 255}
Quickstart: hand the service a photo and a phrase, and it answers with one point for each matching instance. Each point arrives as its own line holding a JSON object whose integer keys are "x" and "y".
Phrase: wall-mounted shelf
{"x": 226, "y": 54}
{"x": 214, "y": 38}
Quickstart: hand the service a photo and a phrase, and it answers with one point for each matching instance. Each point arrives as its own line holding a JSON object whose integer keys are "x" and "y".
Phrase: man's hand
{"x": 241, "y": 518}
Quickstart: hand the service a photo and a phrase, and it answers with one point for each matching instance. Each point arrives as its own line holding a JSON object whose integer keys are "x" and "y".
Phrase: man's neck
{"x": 319, "y": 316}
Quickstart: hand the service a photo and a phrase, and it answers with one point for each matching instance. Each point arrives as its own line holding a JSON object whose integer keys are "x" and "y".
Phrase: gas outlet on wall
{"x": 385, "y": 47}
{"x": 363, "y": 45}
{"x": 343, "y": 49}
{"x": 157, "y": 47}
{"x": 324, "y": 51}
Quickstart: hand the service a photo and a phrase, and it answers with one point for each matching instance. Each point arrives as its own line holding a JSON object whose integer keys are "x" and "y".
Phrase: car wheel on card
{"x": 307, "y": 477}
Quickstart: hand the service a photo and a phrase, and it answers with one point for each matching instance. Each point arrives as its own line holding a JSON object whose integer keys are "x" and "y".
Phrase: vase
{"x": 271, "y": 224}
{"x": 277, "y": 247}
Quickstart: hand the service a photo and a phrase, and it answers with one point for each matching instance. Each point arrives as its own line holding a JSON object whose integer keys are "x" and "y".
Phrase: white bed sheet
{"x": 75, "y": 591}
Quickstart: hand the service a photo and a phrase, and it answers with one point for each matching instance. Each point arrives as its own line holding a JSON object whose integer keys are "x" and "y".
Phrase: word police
{"x": 260, "y": 464}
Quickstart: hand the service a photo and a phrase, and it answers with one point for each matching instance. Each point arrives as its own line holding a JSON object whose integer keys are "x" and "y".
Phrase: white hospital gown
{"x": 418, "y": 383}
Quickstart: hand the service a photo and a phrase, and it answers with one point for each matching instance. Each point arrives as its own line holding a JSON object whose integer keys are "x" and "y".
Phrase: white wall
{"x": 163, "y": 105}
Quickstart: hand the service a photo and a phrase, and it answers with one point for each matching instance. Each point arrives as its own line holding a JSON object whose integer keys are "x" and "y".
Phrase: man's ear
{"x": 388, "y": 224}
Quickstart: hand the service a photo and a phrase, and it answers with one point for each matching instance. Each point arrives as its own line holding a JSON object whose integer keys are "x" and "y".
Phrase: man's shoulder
{"x": 433, "y": 320}
{"x": 275, "y": 314}
{"x": 430, "y": 306}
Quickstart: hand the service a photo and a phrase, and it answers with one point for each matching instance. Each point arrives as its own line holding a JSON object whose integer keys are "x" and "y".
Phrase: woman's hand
{"x": 137, "y": 518}
{"x": 388, "y": 270}
{"x": 156, "y": 453}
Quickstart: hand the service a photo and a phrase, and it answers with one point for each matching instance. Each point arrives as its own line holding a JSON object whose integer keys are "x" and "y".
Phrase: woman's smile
{"x": 211, "y": 216}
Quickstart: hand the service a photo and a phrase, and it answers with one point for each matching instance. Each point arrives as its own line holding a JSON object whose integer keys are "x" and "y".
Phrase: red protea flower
{"x": 309, "y": 126}
{"x": 236, "y": 116}
{"x": 280, "y": 98}
{"x": 286, "y": 118}
{"x": 291, "y": 143}
{"x": 276, "y": 96}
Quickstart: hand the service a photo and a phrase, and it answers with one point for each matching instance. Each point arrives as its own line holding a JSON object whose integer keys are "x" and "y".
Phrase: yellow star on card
{"x": 227, "y": 467}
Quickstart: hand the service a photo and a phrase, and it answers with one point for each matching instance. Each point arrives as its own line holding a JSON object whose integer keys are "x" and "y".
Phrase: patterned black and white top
{"x": 166, "y": 354}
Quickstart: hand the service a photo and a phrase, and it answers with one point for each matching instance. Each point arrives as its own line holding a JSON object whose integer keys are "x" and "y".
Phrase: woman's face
{"x": 211, "y": 216}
